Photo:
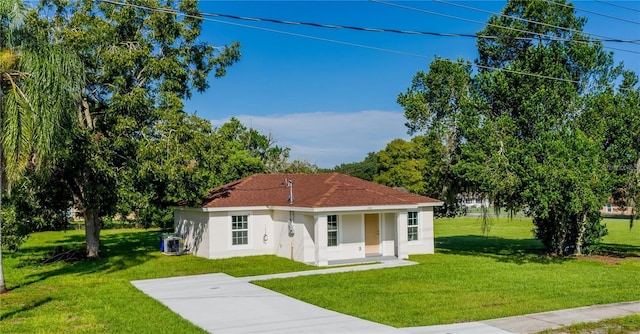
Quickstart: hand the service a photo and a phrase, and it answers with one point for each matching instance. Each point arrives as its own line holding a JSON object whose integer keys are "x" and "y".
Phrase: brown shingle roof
{"x": 309, "y": 190}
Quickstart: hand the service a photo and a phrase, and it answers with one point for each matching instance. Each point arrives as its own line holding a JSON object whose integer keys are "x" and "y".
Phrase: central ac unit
{"x": 173, "y": 246}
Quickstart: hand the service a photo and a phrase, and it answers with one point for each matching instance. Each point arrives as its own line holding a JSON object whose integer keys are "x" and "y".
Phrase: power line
{"x": 602, "y": 37}
{"x": 177, "y": 13}
{"x": 366, "y": 29}
{"x": 336, "y": 26}
{"x": 619, "y": 6}
{"x": 591, "y": 12}
{"x": 311, "y": 37}
{"x": 543, "y": 36}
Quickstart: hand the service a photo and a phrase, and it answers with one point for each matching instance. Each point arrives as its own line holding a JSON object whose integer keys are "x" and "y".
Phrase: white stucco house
{"x": 311, "y": 218}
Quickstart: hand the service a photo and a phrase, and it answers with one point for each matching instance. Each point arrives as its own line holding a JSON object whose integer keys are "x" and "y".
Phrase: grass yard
{"x": 96, "y": 296}
{"x": 629, "y": 324}
{"x": 473, "y": 277}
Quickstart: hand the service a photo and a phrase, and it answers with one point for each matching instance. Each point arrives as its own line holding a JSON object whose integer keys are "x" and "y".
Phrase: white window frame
{"x": 415, "y": 226}
{"x": 609, "y": 208}
{"x": 248, "y": 230}
{"x": 336, "y": 230}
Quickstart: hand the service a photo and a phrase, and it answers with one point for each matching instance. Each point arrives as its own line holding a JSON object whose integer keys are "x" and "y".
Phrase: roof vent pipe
{"x": 290, "y": 185}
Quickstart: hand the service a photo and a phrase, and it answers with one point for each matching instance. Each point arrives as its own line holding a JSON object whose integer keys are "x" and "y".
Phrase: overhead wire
{"x": 591, "y": 12}
{"x": 543, "y": 36}
{"x": 398, "y": 31}
{"x": 175, "y": 12}
{"x": 367, "y": 29}
{"x": 601, "y": 38}
{"x": 619, "y": 6}
{"x": 198, "y": 16}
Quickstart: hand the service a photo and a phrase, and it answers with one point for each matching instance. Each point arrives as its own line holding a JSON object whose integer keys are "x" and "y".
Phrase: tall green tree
{"x": 417, "y": 165}
{"x": 520, "y": 123}
{"x": 140, "y": 64}
{"x": 439, "y": 103}
{"x": 539, "y": 113}
{"x": 39, "y": 88}
{"x": 181, "y": 158}
{"x": 619, "y": 129}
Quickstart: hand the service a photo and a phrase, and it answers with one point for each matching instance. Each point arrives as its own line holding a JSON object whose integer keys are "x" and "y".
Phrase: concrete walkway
{"x": 220, "y": 303}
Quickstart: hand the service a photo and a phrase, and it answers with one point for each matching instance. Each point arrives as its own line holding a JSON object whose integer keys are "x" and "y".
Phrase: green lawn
{"x": 96, "y": 296}
{"x": 471, "y": 277}
{"x": 629, "y": 324}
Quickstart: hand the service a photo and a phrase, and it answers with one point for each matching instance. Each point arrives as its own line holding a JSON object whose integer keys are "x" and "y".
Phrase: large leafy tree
{"x": 439, "y": 103}
{"x": 619, "y": 126}
{"x": 182, "y": 158}
{"x": 140, "y": 64}
{"x": 39, "y": 88}
{"x": 519, "y": 130}
{"x": 417, "y": 165}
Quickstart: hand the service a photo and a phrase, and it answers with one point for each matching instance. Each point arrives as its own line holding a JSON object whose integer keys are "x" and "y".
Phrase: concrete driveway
{"x": 220, "y": 303}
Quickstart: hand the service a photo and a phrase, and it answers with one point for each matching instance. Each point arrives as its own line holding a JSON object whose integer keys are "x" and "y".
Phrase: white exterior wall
{"x": 350, "y": 238}
{"x": 307, "y": 228}
{"x": 193, "y": 227}
{"x": 300, "y": 246}
{"x": 259, "y": 222}
{"x": 402, "y": 248}
{"x": 208, "y": 234}
{"x": 388, "y": 231}
{"x": 320, "y": 241}
{"x": 425, "y": 242}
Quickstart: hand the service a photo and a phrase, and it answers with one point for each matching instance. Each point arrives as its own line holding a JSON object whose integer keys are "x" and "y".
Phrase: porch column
{"x": 401, "y": 235}
{"x": 320, "y": 233}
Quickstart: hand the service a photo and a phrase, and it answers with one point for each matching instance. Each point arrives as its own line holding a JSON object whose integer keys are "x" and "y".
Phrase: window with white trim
{"x": 412, "y": 226}
{"x": 240, "y": 230}
{"x": 332, "y": 230}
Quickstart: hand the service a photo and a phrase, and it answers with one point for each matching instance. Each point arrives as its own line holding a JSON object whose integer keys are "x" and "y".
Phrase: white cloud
{"x": 328, "y": 139}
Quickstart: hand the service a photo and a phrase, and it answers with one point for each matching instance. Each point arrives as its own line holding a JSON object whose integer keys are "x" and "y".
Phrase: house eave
{"x": 388, "y": 208}
{"x": 223, "y": 209}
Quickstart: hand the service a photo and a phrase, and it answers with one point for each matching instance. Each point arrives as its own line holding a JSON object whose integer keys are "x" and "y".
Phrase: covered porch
{"x": 359, "y": 237}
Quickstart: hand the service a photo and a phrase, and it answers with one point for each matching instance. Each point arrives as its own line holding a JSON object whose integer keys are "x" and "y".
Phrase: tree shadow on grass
{"x": 619, "y": 250}
{"x": 518, "y": 251}
{"x": 118, "y": 251}
{"x": 25, "y": 308}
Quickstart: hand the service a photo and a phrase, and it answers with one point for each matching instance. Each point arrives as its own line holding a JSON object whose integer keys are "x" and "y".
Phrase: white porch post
{"x": 401, "y": 235}
{"x": 320, "y": 233}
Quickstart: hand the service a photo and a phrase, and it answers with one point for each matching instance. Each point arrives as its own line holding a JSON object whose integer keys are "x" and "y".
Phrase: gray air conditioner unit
{"x": 173, "y": 246}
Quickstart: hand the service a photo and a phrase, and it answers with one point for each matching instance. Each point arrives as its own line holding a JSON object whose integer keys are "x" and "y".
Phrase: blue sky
{"x": 333, "y": 103}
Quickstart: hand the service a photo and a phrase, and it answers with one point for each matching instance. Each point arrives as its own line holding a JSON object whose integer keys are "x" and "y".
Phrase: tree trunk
{"x": 3, "y": 287}
{"x": 583, "y": 229}
{"x": 92, "y": 226}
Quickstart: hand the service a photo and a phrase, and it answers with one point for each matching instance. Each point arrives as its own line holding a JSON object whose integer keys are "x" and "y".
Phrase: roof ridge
{"x": 313, "y": 190}
{"x": 329, "y": 192}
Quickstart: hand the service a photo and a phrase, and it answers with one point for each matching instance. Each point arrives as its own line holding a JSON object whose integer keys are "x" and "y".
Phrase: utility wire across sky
{"x": 543, "y": 36}
{"x": 592, "y": 12}
{"x": 205, "y": 16}
{"x": 601, "y": 38}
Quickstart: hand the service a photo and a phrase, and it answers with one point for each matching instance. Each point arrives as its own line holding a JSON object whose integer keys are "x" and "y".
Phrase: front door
{"x": 371, "y": 234}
